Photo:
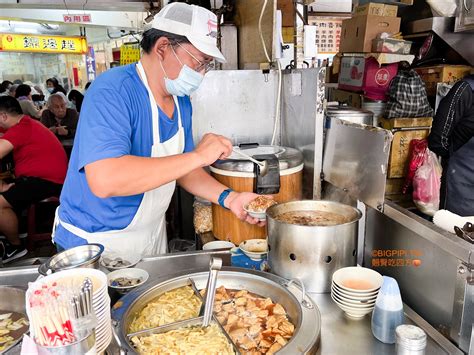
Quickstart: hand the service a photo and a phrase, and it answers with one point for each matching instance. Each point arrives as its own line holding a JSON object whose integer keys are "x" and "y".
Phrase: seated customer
{"x": 40, "y": 168}
{"x": 23, "y": 95}
{"x": 60, "y": 120}
{"x": 76, "y": 98}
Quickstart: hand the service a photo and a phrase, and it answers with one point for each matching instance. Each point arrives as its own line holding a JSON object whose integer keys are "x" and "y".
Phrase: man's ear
{"x": 161, "y": 46}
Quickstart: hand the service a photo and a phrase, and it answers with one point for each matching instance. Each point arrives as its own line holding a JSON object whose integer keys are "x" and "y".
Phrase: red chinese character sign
{"x": 77, "y": 18}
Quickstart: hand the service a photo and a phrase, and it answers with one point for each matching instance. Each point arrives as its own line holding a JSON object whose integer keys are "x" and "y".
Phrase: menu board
{"x": 328, "y": 33}
{"x": 129, "y": 53}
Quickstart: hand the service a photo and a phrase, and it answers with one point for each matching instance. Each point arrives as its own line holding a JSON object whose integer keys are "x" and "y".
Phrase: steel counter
{"x": 339, "y": 335}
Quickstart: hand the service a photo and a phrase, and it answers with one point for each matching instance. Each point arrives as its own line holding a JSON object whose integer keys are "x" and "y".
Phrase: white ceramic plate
{"x": 355, "y": 273}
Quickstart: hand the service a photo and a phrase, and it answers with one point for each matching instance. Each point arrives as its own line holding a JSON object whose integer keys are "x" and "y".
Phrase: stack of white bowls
{"x": 100, "y": 300}
{"x": 355, "y": 289}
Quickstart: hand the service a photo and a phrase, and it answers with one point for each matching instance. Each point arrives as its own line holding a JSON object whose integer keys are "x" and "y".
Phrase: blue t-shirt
{"x": 115, "y": 121}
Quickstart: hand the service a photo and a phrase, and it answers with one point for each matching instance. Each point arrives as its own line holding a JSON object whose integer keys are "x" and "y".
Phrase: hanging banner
{"x": 42, "y": 44}
{"x": 90, "y": 63}
{"x": 129, "y": 53}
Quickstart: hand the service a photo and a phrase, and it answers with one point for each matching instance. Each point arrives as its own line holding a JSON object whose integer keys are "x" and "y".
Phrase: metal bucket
{"x": 86, "y": 345}
{"x": 312, "y": 253}
{"x": 351, "y": 114}
{"x": 83, "y": 256}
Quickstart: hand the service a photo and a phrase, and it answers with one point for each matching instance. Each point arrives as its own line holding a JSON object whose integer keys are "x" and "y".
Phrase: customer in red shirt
{"x": 40, "y": 168}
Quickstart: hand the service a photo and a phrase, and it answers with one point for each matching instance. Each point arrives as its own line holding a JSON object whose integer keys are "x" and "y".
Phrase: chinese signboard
{"x": 90, "y": 62}
{"x": 42, "y": 44}
{"x": 77, "y": 18}
{"x": 129, "y": 53}
{"x": 328, "y": 33}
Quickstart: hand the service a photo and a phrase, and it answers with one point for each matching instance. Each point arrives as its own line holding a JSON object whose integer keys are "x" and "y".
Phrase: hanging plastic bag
{"x": 427, "y": 184}
{"x": 445, "y": 8}
{"x": 418, "y": 150}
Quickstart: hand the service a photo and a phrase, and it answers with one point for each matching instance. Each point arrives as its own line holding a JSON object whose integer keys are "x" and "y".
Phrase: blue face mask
{"x": 186, "y": 83}
{"x": 50, "y": 90}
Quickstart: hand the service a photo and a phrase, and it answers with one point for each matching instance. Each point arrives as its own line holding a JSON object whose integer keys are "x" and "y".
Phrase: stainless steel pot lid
{"x": 288, "y": 157}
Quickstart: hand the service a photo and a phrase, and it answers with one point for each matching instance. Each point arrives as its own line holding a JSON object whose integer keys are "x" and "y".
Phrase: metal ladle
{"x": 263, "y": 165}
{"x": 214, "y": 266}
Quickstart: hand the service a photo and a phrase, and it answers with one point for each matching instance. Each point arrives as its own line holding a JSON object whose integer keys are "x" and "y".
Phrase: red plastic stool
{"x": 33, "y": 234}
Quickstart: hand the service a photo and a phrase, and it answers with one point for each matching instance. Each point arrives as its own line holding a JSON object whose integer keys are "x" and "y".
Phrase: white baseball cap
{"x": 196, "y": 23}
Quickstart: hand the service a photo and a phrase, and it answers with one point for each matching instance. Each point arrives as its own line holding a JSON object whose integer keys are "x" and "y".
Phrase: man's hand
{"x": 213, "y": 147}
{"x": 6, "y": 187}
{"x": 236, "y": 202}
{"x": 53, "y": 129}
{"x": 62, "y": 131}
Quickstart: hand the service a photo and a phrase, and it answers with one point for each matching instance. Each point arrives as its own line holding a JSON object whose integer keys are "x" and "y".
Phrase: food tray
{"x": 183, "y": 324}
{"x": 301, "y": 311}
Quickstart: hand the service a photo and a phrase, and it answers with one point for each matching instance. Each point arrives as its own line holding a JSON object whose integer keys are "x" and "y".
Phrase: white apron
{"x": 146, "y": 233}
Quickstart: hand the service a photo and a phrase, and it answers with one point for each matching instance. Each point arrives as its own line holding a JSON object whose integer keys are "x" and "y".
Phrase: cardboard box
{"x": 375, "y": 9}
{"x": 419, "y": 128}
{"x": 400, "y": 151}
{"x": 441, "y": 74}
{"x": 366, "y": 75}
{"x": 349, "y": 98}
{"x": 358, "y": 32}
{"x": 391, "y": 2}
{"x": 405, "y": 122}
{"x": 287, "y": 12}
{"x": 394, "y": 186}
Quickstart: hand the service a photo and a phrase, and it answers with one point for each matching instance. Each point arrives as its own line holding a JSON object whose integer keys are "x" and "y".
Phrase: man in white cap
{"x": 134, "y": 141}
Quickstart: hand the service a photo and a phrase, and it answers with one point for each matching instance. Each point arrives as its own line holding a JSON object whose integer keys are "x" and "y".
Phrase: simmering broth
{"x": 312, "y": 218}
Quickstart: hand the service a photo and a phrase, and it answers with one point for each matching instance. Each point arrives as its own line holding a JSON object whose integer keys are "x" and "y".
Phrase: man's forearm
{"x": 132, "y": 175}
{"x": 199, "y": 183}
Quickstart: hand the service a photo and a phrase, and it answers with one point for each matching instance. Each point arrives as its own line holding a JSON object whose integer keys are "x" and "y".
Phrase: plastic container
{"x": 202, "y": 217}
{"x": 388, "y": 311}
{"x": 411, "y": 340}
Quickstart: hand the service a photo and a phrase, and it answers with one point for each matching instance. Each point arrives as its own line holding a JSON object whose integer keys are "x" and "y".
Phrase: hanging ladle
{"x": 263, "y": 165}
